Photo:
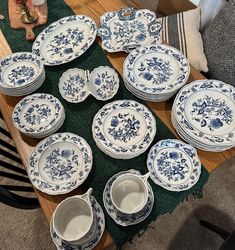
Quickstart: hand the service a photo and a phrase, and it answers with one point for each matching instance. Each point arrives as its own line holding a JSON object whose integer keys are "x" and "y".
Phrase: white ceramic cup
{"x": 129, "y": 193}
{"x": 73, "y": 218}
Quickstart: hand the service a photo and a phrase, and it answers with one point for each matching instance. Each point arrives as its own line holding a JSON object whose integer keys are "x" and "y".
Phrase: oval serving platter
{"x": 65, "y": 39}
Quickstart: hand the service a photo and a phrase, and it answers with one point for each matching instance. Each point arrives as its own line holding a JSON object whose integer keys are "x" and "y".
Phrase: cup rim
{"x": 70, "y": 239}
{"x": 145, "y": 189}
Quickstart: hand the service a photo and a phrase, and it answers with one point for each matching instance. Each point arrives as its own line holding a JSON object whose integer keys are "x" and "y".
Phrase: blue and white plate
{"x": 155, "y": 72}
{"x": 121, "y": 218}
{"x": 65, "y": 39}
{"x": 60, "y": 163}
{"x": 203, "y": 113}
{"x": 124, "y": 129}
{"x": 95, "y": 236}
{"x": 38, "y": 115}
{"x": 76, "y": 84}
{"x": 21, "y": 73}
{"x": 174, "y": 165}
{"x": 128, "y": 28}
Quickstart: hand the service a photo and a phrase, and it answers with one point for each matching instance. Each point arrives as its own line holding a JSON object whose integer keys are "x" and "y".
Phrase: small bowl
{"x": 129, "y": 193}
{"x": 73, "y": 218}
{"x": 73, "y": 85}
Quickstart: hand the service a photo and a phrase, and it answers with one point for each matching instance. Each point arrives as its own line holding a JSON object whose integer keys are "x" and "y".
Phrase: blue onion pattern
{"x": 21, "y": 74}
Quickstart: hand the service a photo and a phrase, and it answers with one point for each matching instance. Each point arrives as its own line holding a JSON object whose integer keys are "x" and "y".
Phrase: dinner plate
{"x": 65, "y": 39}
{"x": 205, "y": 110}
{"x": 95, "y": 237}
{"x": 156, "y": 69}
{"x": 37, "y": 113}
{"x": 128, "y": 28}
{"x": 125, "y": 219}
{"x": 174, "y": 165}
{"x": 60, "y": 163}
{"x": 125, "y": 128}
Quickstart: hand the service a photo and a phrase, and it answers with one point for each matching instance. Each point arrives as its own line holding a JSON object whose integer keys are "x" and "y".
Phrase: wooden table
{"x": 25, "y": 145}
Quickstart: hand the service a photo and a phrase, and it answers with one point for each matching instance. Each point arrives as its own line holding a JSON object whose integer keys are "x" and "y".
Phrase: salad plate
{"x": 203, "y": 112}
{"x": 65, "y": 39}
{"x": 174, "y": 165}
{"x": 76, "y": 84}
{"x": 155, "y": 72}
{"x": 38, "y": 115}
{"x": 128, "y": 28}
{"x": 60, "y": 163}
{"x": 124, "y": 129}
{"x": 94, "y": 237}
{"x": 21, "y": 73}
{"x": 121, "y": 218}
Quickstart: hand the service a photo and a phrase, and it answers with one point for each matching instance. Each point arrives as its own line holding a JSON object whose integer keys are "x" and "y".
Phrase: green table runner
{"x": 79, "y": 120}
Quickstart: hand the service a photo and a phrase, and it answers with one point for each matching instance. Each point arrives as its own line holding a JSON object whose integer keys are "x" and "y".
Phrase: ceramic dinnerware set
{"x": 21, "y": 73}
{"x": 203, "y": 115}
{"x": 38, "y": 115}
{"x": 76, "y": 84}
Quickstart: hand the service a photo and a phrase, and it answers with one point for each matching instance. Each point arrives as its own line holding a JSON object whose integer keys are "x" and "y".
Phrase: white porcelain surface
{"x": 123, "y": 129}
{"x": 155, "y": 72}
{"x": 203, "y": 114}
{"x": 73, "y": 218}
{"x": 60, "y": 163}
{"x": 65, "y": 39}
{"x": 125, "y": 219}
{"x": 128, "y": 28}
{"x": 129, "y": 193}
{"x": 94, "y": 236}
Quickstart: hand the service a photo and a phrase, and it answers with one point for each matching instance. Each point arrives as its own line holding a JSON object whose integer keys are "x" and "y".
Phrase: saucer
{"x": 95, "y": 236}
{"x": 121, "y": 218}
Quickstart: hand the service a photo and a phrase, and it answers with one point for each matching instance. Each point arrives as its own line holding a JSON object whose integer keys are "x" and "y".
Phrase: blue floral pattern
{"x": 95, "y": 235}
{"x": 173, "y": 165}
{"x": 66, "y": 43}
{"x": 155, "y": 70}
{"x": 211, "y": 112}
{"x": 132, "y": 125}
{"x": 61, "y": 164}
{"x": 37, "y": 114}
{"x": 21, "y": 74}
{"x": 129, "y": 28}
{"x": 124, "y": 127}
{"x": 121, "y": 218}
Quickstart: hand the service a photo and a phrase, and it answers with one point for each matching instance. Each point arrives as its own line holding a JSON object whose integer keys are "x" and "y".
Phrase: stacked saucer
{"x": 123, "y": 129}
{"x": 60, "y": 163}
{"x": 203, "y": 114}
{"x": 21, "y": 74}
{"x": 128, "y": 197}
{"x": 77, "y": 223}
{"x": 38, "y": 115}
{"x": 174, "y": 165}
{"x": 156, "y": 72}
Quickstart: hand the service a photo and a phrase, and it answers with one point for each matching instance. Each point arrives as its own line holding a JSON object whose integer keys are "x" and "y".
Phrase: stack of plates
{"x": 123, "y": 129}
{"x": 60, "y": 163}
{"x": 155, "y": 73}
{"x": 203, "y": 114}
{"x": 174, "y": 165}
{"x": 21, "y": 74}
{"x": 38, "y": 115}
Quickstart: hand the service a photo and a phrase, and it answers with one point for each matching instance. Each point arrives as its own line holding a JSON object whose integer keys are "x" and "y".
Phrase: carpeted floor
{"x": 28, "y": 230}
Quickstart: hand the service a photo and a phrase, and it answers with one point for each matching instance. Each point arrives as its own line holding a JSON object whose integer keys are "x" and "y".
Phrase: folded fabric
{"x": 181, "y": 31}
{"x": 219, "y": 44}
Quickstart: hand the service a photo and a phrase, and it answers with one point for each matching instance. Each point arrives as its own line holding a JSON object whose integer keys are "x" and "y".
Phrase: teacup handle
{"x": 87, "y": 195}
{"x": 145, "y": 177}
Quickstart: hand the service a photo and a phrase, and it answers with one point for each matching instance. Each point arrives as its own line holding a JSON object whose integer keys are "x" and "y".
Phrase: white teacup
{"x": 73, "y": 218}
{"x": 129, "y": 193}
